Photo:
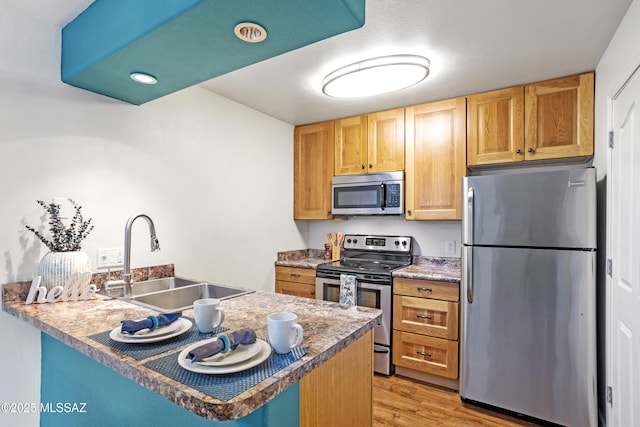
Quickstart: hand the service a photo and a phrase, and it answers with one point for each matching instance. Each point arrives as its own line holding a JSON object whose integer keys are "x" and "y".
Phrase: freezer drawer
{"x": 528, "y": 337}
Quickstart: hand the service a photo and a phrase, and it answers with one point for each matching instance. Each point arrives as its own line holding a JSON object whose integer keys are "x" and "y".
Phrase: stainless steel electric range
{"x": 372, "y": 260}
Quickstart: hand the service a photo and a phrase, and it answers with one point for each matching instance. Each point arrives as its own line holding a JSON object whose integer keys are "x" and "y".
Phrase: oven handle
{"x": 380, "y": 349}
{"x": 336, "y": 279}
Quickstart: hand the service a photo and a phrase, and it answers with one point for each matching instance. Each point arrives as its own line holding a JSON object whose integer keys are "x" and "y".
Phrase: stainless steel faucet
{"x": 155, "y": 246}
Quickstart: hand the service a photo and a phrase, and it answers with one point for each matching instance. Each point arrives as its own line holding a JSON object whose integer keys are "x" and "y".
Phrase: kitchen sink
{"x": 148, "y": 286}
{"x": 182, "y": 297}
{"x": 155, "y": 285}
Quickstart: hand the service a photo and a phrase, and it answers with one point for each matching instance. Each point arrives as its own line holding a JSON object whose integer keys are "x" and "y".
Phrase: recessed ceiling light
{"x": 250, "y": 32}
{"x": 376, "y": 76}
{"x": 143, "y": 78}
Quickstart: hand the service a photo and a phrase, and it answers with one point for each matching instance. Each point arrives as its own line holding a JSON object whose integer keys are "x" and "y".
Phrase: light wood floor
{"x": 399, "y": 401}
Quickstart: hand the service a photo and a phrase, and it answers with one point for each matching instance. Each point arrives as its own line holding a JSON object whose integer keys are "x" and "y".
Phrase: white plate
{"x": 180, "y": 326}
{"x": 147, "y": 333}
{"x": 261, "y": 356}
{"x": 240, "y": 354}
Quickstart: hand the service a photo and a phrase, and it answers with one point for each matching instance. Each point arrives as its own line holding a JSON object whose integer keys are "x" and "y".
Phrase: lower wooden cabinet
{"x": 426, "y": 327}
{"x": 426, "y": 354}
{"x": 299, "y": 282}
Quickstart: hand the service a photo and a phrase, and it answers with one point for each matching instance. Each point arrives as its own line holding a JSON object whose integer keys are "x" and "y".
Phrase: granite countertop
{"x": 328, "y": 328}
{"x": 432, "y": 268}
{"x": 423, "y": 268}
{"x": 303, "y": 258}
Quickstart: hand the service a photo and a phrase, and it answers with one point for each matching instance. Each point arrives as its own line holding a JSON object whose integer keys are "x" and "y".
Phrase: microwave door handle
{"x": 383, "y": 201}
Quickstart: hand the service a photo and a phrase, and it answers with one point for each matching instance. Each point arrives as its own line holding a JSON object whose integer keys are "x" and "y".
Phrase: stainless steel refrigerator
{"x": 529, "y": 264}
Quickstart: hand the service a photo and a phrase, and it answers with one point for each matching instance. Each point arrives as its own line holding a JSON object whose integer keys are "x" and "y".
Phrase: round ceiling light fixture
{"x": 376, "y": 76}
{"x": 250, "y": 32}
{"x": 144, "y": 78}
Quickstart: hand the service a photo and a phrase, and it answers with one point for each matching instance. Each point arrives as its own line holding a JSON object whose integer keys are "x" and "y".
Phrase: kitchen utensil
{"x": 284, "y": 332}
{"x": 331, "y": 239}
{"x": 335, "y": 250}
{"x": 208, "y": 314}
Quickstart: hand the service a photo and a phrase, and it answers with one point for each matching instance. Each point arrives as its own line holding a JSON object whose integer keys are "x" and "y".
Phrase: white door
{"x": 623, "y": 229}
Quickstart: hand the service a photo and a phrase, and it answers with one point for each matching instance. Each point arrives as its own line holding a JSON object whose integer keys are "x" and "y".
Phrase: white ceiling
{"x": 473, "y": 46}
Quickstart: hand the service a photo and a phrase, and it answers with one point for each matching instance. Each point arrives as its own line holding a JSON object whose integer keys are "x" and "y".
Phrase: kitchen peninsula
{"x": 329, "y": 385}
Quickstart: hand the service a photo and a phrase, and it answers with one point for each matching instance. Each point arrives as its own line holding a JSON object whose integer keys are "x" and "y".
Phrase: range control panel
{"x": 378, "y": 243}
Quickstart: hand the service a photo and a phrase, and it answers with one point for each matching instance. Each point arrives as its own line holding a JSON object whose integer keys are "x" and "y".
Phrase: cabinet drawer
{"x": 299, "y": 275}
{"x": 447, "y": 291}
{"x": 296, "y": 289}
{"x": 435, "y": 318}
{"x": 425, "y": 354}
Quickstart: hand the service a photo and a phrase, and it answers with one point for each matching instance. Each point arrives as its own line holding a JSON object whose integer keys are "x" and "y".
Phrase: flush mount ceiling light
{"x": 376, "y": 76}
{"x": 250, "y": 32}
{"x": 144, "y": 78}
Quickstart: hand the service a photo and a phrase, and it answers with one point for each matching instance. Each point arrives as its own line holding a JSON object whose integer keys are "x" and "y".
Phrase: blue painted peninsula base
{"x": 78, "y": 391}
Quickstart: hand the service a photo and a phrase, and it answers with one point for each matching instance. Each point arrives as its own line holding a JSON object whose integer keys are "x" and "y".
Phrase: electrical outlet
{"x": 110, "y": 257}
{"x": 450, "y": 247}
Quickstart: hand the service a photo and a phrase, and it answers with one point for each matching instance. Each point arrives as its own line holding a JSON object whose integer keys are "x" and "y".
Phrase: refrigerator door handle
{"x": 467, "y": 269}
{"x": 468, "y": 218}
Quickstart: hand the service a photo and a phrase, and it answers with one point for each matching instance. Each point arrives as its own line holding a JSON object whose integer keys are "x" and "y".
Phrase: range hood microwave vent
{"x": 185, "y": 42}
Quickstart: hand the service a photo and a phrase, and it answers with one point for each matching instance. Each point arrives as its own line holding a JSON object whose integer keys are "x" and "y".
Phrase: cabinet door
{"x": 495, "y": 127}
{"x": 312, "y": 171}
{"x": 435, "y": 163}
{"x": 559, "y": 118}
{"x": 386, "y": 141}
{"x": 351, "y": 146}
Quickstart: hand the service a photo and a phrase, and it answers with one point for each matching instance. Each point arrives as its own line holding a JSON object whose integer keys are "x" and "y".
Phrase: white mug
{"x": 206, "y": 311}
{"x": 284, "y": 332}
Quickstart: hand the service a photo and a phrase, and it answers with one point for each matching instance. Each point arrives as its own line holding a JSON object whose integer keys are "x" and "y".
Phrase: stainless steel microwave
{"x": 371, "y": 194}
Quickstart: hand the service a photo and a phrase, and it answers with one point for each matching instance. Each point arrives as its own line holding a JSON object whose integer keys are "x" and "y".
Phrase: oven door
{"x": 368, "y": 295}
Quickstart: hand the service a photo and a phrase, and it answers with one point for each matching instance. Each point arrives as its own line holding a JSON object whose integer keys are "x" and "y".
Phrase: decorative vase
{"x": 56, "y": 267}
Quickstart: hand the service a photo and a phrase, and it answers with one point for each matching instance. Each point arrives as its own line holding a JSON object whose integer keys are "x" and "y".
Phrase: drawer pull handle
{"x": 425, "y": 290}
{"x": 422, "y": 316}
{"x": 295, "y": 275}
{"x": 422, "y": 353}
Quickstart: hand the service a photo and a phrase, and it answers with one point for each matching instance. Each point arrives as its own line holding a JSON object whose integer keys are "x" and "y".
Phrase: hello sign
{"x": 78, "y": 287}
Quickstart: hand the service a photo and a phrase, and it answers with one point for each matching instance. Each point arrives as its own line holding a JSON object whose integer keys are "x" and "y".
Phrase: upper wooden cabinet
{"x": 546, "y": 120}
{"x": 559, "y": 118}
{"x": 351, "y": 145}
{"x": 435, "y": 150}
{"x": 370, "y": 143}
{"x": 495, "y": 128}
{"x": 312, "y": 170}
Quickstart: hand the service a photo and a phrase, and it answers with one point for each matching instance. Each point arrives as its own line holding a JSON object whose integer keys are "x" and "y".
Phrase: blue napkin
{"x": 224, "y": 343}
{"x": 151, "y": 322}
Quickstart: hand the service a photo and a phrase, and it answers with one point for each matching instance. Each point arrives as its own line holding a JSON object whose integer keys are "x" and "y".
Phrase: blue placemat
{"x": 144, "y": 350}
{"x": 225, "y": 386}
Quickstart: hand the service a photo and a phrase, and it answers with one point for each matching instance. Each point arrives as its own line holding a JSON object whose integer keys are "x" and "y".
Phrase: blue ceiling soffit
{"x": 185, "y": 42}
